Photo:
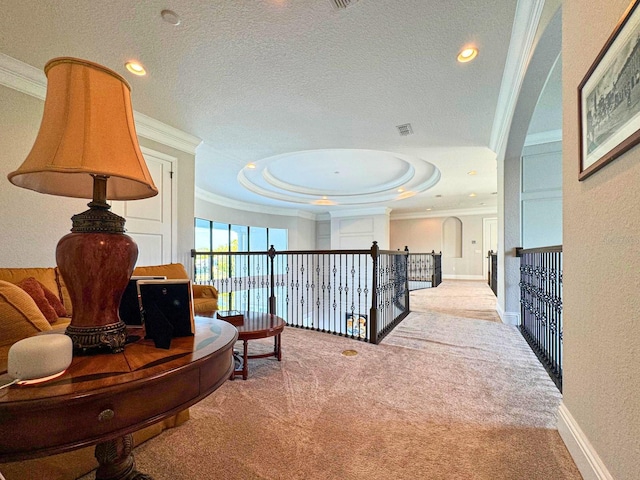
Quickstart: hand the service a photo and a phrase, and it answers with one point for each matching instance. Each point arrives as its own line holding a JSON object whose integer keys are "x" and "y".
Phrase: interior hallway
{"x": 444, "y": 396}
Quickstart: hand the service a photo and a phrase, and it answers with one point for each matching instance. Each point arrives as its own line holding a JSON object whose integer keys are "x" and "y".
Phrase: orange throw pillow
{"x": 54, "y": 301}
{"x": 35, "y": 291}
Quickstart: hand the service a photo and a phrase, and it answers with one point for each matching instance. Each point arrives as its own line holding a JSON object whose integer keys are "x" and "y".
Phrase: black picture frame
{"x": 609, "y": 97}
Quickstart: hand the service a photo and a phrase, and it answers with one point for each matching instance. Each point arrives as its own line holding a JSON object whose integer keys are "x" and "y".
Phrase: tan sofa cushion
{"x": 46, "y": 276}
{"x": 64, "y": 293}
{"x": 170, "y": 270}
{"x": 205, "y": 297}
{"x": 21, "y": 318}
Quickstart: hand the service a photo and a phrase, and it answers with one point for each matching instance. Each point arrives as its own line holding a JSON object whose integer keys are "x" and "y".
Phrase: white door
{"x": 489, "y": 240}
{"x": 150, "y": 221}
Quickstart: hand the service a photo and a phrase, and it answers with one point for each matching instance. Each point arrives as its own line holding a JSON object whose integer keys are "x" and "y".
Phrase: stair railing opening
{"x": 541, "y": 305}
{"x": 360, "y": 294}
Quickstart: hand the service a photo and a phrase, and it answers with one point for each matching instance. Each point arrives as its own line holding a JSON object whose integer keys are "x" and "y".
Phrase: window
{"x": 224, "y": 237}
{"x": 245, "y": 271}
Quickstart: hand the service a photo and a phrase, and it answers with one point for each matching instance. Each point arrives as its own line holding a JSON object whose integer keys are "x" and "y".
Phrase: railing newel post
{"x": 373, "y": 311}
{"x": 272, "y": 294}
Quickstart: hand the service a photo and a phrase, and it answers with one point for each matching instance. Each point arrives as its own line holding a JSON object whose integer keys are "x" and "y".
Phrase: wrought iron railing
{"x": 424, "y": 270}
{"x": 541, "y": 305}
{"x": 360, "y": 294}
{"x": 492, "y": 269}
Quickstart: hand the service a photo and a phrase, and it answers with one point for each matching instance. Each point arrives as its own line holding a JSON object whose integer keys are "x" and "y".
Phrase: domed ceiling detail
{"x": 339, "y": 177}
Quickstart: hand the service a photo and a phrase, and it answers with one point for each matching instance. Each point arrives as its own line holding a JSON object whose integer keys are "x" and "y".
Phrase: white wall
{"x": 425, "y": 234}
{"x": 302, "y": 230}
{"x": 541, "y": 195}
{"x": 323, "y": 234}
{"x": 32, "y": 223}
{"x": 357, "y": 230}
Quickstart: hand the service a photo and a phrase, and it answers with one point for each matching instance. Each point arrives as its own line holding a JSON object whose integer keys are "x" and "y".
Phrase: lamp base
{"x": 108, "y": 337}
{"x": 96, "y": 268}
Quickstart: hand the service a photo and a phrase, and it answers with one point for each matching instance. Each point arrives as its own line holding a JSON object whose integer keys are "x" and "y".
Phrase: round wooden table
{"x": 101, "y": 399}
{"x": 255, "y": 325}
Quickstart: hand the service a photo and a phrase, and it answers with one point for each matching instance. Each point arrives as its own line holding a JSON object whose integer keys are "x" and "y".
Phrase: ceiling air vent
{"x": 405, "y": 129}
{"x": 341, "y": 4}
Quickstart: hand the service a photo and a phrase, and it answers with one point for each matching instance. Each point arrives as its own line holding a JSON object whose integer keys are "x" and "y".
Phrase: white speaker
{"x": 40, "y": 356}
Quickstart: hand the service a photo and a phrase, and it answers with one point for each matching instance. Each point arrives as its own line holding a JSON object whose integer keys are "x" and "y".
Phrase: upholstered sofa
{"x": 21, "y": 317}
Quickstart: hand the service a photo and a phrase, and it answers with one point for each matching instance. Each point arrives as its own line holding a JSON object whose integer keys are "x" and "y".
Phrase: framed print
{"x": 609, "y": 97}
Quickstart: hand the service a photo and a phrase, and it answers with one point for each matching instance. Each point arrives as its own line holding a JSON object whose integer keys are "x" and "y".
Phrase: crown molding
{"x": 22, "y": 77}
{"x": 27, "y": 79}
{"x": 446, "y": 213}
{"x": 157, "y": 131}
{"x": 541, "y": 138}
{"x": 207, "y": 196}
{"x": 525, "y": 25}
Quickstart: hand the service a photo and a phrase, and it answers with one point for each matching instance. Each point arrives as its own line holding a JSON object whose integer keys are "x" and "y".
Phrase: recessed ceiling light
{"x": 170, "y": 16}
{"x": 467, "y": 54}
{"x": 472, "y": 194}
{"x": 428, "y": 209}
{"x": 472, "y": 172}
{"x": 400, "y": 190}
{"x": 324, "y": 201}
{"x": 135, "y": 68}
{"x": 251, "y": 165}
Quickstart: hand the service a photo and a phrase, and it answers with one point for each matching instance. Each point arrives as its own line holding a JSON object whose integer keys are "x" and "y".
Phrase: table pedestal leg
{"x": 245, "y": 367}
{"x": 278, "y": 348}
{"x": 116, "y": 460}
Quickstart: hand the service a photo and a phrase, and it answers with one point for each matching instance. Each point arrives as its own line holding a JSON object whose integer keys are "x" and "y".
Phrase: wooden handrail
{"x": 521, "y": 251}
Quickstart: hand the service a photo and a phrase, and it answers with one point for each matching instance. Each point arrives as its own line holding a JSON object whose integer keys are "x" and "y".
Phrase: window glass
{"x": 258, "y": 239}
{"x": 220, "y": 237}
{"x": 239, "y": 238}
{"x": 278, "y": 238}
{"x": 203, "y": 235}
{"x": 223, "y": 237}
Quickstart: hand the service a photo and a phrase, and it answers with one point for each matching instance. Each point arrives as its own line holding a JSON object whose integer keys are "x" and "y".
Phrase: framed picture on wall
{"x": 609, "y": 97}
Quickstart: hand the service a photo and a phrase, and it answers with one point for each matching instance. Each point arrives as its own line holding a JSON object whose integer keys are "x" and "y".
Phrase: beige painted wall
{"x": 32, "y": 223}
{"x": 425, "y": 234}
{"x": 302, "y": 231}
{"x": 601, "y": 237}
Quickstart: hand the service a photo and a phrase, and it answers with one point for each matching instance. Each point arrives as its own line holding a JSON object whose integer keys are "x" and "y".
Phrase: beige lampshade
{"x": 87, "y": 129}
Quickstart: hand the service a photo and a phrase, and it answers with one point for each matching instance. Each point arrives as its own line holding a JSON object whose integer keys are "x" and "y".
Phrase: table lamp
{"x": 87, "y": 148}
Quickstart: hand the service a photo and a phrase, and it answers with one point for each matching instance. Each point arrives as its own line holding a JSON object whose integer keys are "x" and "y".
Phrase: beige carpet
{"x": 442, "y": 398}
{"x": 458, "y": 298}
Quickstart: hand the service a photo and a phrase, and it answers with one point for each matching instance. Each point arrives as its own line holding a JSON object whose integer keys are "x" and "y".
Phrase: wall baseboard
{"x": 511, "y": 318}
{"x": 463, "y": 277}
{"x": 587, "y": 459}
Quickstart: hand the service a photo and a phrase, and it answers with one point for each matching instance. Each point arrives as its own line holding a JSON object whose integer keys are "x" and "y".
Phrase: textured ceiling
{"x": 260, "y": 79}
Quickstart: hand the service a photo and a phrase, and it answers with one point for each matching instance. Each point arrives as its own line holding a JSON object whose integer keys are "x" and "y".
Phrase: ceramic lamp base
{"x": 96, "y": 268}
